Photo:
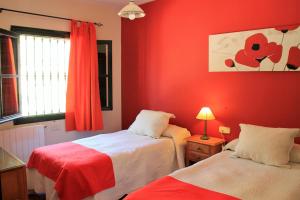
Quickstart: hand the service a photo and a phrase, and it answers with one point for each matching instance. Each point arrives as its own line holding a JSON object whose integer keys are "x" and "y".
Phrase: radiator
{"x": 21, "y": 141}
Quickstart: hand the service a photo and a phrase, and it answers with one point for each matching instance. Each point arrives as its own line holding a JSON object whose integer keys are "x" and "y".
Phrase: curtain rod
{"x": 41, "y": 15}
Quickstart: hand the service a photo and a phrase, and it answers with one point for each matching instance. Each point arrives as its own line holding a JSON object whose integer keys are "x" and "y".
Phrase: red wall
{"x": 165, "y": 65}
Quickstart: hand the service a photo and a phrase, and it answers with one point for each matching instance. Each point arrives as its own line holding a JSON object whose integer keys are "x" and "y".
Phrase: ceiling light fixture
{"x": 132, "y": 11}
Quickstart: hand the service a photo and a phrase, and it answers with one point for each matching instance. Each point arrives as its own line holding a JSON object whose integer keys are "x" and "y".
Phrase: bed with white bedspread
{"x": 137, "y": 160}
{"x": 240, "y": 178}
{"x": 263, "y": 164}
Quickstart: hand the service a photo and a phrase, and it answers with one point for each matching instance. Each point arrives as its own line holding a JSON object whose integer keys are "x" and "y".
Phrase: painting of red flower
{"x": 272, "y": 49}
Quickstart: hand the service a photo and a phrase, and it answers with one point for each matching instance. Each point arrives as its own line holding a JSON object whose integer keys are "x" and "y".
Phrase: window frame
{"x": 46, "y": 33}
{"x": 62, "y": 34}
{"x": 109, "y": 75}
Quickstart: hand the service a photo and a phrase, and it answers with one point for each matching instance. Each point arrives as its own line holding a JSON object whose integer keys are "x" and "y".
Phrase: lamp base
{"x": 204, "y": 137}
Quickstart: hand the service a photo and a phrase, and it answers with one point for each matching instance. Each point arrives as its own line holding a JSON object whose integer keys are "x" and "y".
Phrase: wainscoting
{"x": 21, "y": 141}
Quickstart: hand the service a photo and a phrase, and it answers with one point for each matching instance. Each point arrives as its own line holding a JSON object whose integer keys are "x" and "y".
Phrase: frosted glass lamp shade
{"x": 132, "y": 11}
{"x": 205, "y": 114}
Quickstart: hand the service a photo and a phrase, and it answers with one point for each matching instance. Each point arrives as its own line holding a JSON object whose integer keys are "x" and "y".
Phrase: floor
{"x": 34, "y": 196}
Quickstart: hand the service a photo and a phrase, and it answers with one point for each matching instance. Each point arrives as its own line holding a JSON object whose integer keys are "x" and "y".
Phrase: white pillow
{"x": 151, "y": 123}
{"x": 231, "y": 145}
{"x": 175, "y": 131}
{"x": 295, "y": 153}
{"x": 179, "y": 135}
{"x": 270, "y": 146}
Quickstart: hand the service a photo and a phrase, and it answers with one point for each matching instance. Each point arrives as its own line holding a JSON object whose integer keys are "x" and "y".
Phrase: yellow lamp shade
{"x": 205, "y": 114}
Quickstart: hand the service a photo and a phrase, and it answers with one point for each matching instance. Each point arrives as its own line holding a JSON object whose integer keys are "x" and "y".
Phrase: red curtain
{"x": 9, "y": 85}
{"x": 83, "y": 106}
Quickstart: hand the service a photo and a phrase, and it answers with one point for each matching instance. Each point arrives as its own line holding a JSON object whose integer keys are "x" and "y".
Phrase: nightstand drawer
{"x": 201, "y": 148}
{"x": 198, "y": 149}
{"x": 196, "y": 156}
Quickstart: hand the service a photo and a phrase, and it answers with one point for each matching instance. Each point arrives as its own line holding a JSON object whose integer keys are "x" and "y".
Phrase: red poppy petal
{"x": 274, "y": 52}
{"x": 243, "y": 59}
{"x": 285, "y": 29}
{"x": 229, "y": 63}
{"x": 256, "y": 45}
{"x": 294, "y": 57}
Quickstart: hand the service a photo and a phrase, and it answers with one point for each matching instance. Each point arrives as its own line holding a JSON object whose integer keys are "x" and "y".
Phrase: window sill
{"x": 43, "y": 118}
{"x": 39, "y": 118}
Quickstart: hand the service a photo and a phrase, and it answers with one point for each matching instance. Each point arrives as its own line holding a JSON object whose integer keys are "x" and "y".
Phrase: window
{"x": 43, "y": 71}
{"x": 105, "y": 73}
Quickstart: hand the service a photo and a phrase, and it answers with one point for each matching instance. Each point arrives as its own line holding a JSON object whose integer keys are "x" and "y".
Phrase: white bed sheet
{"x": 137, "y": 160}
{"x": 243, "y": 178}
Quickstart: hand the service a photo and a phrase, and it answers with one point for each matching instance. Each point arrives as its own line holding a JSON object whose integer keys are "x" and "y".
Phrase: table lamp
{"x": 205, "y": 114}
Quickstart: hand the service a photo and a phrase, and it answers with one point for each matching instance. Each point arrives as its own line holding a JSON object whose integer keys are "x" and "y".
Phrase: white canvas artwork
{"x": 271, "y": 49}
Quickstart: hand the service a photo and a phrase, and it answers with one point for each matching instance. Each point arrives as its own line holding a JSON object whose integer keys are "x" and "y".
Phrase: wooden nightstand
{"x": 197, "y": 149}
{"x": 12, "y": 177}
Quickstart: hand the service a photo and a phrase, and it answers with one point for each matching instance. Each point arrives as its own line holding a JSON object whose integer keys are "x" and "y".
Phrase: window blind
{"x": 43, "y": 74}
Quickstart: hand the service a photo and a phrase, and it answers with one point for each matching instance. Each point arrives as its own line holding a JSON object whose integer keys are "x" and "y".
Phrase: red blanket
{"x": 77, "y": 171}
{"x": 169, "y": 188}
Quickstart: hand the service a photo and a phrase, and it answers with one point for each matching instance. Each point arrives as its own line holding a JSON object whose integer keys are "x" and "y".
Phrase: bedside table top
{"x": 212, "y": 141}
{"x": 8, "y": 161}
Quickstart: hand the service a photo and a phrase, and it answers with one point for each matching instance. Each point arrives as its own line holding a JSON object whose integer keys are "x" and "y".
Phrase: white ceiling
{"x": 120, "y": 2}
